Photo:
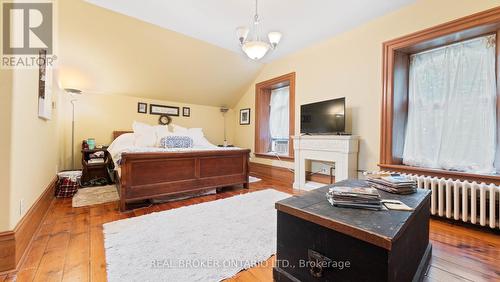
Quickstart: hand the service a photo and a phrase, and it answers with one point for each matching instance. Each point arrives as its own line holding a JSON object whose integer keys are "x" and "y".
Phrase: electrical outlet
{"x": 21, "y": 207}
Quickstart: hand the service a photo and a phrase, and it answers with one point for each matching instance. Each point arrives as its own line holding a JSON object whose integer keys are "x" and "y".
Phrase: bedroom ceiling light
{"x": 255, "y": 48}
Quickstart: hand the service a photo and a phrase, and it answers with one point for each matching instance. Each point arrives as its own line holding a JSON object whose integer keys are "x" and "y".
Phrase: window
{"x": 452, "y": 119}
{"x": 279, "y": 119}
{"x": 438, "y": 100}
{"x": 274, "y": 117}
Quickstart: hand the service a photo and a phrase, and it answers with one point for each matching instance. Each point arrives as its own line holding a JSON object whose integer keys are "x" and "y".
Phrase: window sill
{"x": 273, "y": 156}
{"x": 495, "y": 179}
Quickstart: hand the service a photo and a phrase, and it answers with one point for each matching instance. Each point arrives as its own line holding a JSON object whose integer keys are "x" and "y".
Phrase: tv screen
{"x": 327, "y": 117}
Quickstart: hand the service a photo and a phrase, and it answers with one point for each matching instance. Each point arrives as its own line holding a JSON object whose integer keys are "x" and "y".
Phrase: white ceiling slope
{"x": 302, "y": 22}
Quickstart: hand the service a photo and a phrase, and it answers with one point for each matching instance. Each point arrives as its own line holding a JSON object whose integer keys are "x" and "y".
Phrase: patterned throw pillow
{"x": 176, "y": 142}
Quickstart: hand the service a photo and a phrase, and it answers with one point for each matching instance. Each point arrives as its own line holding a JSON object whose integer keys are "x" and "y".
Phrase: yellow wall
{"x": 5, "y": 153}
{"x": 34, "y": 157}
{"x": 350, "y": 65}
{"x": 98, "y": 115}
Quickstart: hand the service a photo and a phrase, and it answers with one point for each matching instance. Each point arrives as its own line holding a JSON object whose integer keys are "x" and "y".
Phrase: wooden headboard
{"x": 118, "y": 133}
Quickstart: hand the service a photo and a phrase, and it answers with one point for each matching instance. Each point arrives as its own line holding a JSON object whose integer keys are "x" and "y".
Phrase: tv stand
{"x": 339, "y": 149}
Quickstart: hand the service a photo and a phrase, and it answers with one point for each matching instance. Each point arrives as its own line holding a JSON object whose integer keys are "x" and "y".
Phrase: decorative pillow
{"x": 176, "y": 142}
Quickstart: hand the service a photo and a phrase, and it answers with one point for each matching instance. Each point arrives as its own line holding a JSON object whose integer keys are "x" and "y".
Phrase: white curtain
{"x": 452, "y": 119}
{"x": 279, "y": 115}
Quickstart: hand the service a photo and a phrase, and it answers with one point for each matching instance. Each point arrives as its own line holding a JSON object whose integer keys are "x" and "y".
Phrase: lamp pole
{"x": 73, "y": 92}
{"x": 73, "y": 134}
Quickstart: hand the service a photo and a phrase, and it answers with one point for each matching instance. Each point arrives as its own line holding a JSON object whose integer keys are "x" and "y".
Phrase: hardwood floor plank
{"x": 439, "y": 275}
{"x": 264, "y": 271}
{"x": 35, "y": 253}
{"x": 97, "y": 256}
{"x": 69, "y": 246}
{"x": 77, "y": 264}
{"x": 51, "y": 266}
{"x": 27, "y": 274}
{"x": 76, "y": 273}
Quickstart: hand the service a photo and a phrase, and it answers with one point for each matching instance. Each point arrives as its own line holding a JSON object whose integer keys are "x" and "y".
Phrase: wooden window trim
{"x": 262, "y": 98}
{"x": 395, "y": 52}
{"x": 273, "y": 157}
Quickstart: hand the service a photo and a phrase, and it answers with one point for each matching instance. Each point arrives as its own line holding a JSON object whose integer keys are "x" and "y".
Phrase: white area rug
{"x": 253, "y": 179}
{"x": 95, "y": 195}
{"x": 205, "y": 242}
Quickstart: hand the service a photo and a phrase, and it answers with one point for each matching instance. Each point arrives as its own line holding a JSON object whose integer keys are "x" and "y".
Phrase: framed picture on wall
{"x": 44, "y": 87}
{"x": 163, "y": 110}
{"x": 142, "y": 108}
{"x": 186, "y": 111}
{"x": 245, "y": 116}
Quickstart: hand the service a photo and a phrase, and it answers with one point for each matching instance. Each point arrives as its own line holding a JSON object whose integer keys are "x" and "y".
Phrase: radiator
{"x": 477, "y": 203}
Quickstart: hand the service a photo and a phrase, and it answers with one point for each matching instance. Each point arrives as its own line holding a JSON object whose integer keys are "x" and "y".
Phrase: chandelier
{"x": 254, "y": 47}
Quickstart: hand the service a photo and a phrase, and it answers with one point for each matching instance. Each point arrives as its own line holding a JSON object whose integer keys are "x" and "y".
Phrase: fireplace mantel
{"x": 339, "y": 149}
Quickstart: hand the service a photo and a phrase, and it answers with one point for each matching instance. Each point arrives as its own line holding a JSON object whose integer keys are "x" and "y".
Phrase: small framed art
{"x": 245, "y": 116}
{"x": 142, "y": 108}
{"x": 186, "y": 111}
{"x": 163, "y": 110}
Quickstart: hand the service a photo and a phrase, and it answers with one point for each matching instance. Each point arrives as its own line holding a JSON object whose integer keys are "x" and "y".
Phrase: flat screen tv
{"x": 326, "y": 117}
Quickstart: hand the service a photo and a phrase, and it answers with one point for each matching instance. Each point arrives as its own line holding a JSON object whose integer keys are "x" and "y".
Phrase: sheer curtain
{"x": 452, "y": 119}
{"x": 279, "y": 113}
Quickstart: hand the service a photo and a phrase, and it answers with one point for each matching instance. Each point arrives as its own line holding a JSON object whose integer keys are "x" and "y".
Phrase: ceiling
{"x": 186, "y": 50}
{"x": 302, "y": 22}
{"x": 100, "y": 51}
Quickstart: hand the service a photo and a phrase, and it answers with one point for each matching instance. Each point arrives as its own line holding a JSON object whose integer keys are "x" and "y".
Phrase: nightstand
{"x": 96, "y": 170}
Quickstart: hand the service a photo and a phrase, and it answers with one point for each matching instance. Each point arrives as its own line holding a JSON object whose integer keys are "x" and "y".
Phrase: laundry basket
{"x": 68, "y": 183}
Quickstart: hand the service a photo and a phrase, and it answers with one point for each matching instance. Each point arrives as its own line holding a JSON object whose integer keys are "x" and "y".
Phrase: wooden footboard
{"x": 150, "y": 175}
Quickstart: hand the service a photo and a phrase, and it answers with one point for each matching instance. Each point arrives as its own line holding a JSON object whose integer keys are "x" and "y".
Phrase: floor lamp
{"x": 73, "y": 92}
{"x": 224, "y": 110}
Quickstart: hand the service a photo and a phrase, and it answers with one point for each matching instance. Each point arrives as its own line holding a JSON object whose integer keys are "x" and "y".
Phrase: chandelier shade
{"x": 252, "y": 45}
{"x": 274, "y": 38}
{"x": 242, "y": 33}
{"x": 255, "y": 50}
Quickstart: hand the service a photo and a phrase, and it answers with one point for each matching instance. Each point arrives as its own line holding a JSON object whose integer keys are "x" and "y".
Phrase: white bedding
{"x": 128, "y": 143}
{"x": 117, "y": 155}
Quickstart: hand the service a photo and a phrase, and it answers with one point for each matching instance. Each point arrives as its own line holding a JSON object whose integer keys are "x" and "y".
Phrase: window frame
{"x": 262, "y": 98}
{"x": 395, "y": 74}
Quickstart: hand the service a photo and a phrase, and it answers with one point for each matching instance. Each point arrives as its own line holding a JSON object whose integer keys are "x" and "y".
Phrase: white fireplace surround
{"x": 339, "y": 149}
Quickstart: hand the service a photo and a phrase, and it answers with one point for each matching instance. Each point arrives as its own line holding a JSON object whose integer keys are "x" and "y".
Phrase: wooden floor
{"x": 69, "y": 245}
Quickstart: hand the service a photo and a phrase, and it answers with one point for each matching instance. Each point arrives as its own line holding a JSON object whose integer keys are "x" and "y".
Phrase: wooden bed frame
{"x": 151, "y": 175}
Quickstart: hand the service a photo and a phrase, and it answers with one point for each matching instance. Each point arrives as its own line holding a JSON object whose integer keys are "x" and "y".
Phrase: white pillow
{"x": 161, "y": 131}
{"x": 196, "y": 134}
{"x": 179, "y": 129}
{"x": 145, "y": 134}
{"x": 121, "y": 143}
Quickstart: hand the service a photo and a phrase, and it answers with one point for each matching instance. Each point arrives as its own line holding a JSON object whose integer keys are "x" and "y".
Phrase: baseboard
{"x": 13, "y": 244}
{"x": 271, "y": 172}
{"x": 7, "y": 251}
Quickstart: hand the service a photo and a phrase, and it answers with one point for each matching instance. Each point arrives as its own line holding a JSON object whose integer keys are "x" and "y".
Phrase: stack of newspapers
{"x": 354, "y": 197}
{"x": 393, "y": 183}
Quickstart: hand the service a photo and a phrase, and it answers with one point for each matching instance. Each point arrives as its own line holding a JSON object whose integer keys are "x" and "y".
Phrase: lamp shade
{"x": 274, "y": 38}
{"x": 255, "y": 50}
{"x": 242, "y": 33}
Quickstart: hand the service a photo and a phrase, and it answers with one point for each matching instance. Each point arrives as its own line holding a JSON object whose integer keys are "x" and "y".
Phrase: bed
{"x": 154, "y": 173}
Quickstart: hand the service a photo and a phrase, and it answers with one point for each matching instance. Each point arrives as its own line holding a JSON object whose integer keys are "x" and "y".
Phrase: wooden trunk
{"x": 319, "y": 242}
